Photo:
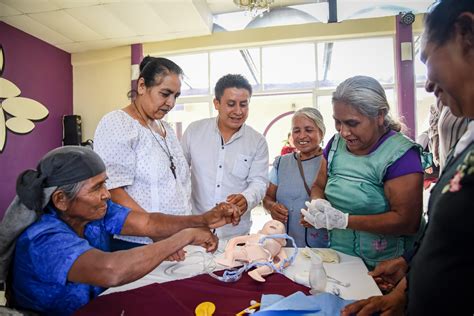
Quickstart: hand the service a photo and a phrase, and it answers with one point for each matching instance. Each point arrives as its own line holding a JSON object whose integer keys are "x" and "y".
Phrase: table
{"x": 181, "y": 297}
{"x": 162, "y": 292}
{"x": 350, "y": 269}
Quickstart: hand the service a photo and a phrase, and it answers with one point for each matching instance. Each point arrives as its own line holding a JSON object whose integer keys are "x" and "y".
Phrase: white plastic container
{"x": 317, "y": 275}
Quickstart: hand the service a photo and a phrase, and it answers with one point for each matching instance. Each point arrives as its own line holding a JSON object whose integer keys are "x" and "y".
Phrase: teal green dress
{"x": 355, "y": 186}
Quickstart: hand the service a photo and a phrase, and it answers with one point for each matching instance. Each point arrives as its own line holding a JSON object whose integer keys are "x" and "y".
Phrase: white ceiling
{"x": 83, "y": 25}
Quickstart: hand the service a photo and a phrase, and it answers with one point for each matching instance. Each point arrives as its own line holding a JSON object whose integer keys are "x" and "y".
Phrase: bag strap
{"x": 300, "y": 167}
{"x": 277, "y": 164}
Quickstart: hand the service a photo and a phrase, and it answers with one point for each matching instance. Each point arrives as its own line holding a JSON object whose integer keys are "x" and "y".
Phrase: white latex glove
{"x": 336, "y": 219}
{"x": 318, "y": 205}
{"x": 321, "y": 204}
{"x": 315, "y": 218}
{"x": 321, "y": 214}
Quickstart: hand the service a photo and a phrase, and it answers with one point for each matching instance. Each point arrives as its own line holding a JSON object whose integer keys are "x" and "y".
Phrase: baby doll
{"x": 248, "y": 249}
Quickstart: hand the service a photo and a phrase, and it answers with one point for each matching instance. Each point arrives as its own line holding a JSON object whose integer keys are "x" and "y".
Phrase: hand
{"x": 392, "y": 304}
{"x": 321, "y": 214}
{"x": 177, "y": 256}
{"x": 203, "y": 237}
{"x": 223, "y": 213}
{"x": 315, "y": 215}
{"x": 279, "y": 212}
{"x": 304, "y": 223}
{"x": 316, "y": 218}
{"x": 239, "y": 200}
{"x": 388, "y": 273}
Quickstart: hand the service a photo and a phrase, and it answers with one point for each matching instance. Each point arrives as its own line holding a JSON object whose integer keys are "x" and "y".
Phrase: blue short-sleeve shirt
{"x": 45, "y": 252}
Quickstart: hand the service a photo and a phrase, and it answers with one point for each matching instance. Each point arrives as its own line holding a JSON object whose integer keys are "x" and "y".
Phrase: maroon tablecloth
{"x": 182, "y": 296}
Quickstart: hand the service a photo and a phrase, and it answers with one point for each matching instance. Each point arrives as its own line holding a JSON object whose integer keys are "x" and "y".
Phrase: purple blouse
{"x": 408, "y": 163}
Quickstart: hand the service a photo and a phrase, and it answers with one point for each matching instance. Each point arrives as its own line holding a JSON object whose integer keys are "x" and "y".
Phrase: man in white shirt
{"x": 228, "y": 159}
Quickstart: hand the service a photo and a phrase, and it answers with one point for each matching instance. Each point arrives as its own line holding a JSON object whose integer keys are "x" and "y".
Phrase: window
{"x": 420, "y": 68}
{"x": 289, "y": 67}
{"x": 195, "y": 68}
{"x": 423, "y": 102}
{"x": 423, "y": 99}
{"x": 184, "y": 114}
{"x": 284, "y": 80}
{"x": 245, "y": 61}
{"x": 340, "y": 60}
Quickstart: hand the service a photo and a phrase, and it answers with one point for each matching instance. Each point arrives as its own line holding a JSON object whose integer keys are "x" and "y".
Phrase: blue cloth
{"x": 300, "y": 304}
{"x": 46, "y": 251}
{"x": 273, "y": 176}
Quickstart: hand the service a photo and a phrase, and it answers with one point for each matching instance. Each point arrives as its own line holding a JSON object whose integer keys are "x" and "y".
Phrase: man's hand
{"x": 177, "y": 256}
{"x": 223, "y": 213}
{"x": 238, "y": 200}
{"x": 203, "y": 237}
{"x": 392, "y": 304}
{"x": 388, "y": 273}
{"x": 279, "y": 212}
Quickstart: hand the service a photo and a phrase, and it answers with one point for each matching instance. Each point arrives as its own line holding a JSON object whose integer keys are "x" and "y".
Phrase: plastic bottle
{"x": 317, "y": 275}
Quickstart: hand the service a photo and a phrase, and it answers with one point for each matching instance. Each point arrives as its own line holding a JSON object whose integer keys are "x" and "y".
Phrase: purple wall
{"x": 43, "y": 73}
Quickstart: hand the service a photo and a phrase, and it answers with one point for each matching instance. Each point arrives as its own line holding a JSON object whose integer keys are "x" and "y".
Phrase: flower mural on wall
{"x": 16, "y": 113}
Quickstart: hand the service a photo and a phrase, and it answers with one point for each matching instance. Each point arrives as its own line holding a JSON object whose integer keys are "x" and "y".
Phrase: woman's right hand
{"x": 179, "y": 255}
{"x": 388, "y": 273}
{"x": 202, "y": 237}
{"x": 391, "y": 304}
{"x": 279, "y": 212}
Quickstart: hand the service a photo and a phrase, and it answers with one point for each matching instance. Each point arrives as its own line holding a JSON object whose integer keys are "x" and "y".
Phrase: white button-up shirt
{"x": 219, "y": 169}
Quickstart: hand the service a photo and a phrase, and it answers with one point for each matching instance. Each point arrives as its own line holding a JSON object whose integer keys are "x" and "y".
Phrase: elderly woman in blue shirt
{"x": 62, "y": 259}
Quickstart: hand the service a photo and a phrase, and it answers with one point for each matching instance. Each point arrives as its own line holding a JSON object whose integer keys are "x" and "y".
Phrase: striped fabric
{"x": 450, "y": 129}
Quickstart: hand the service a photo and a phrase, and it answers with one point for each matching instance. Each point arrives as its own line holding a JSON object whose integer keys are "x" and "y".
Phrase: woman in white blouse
{"x": 145, "y": 165}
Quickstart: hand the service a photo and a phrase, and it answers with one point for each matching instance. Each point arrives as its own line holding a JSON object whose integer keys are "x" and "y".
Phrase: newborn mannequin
{"x": 251, "y": 251}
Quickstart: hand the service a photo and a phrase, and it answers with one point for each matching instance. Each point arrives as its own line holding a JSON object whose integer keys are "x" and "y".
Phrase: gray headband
{"x": 61, "y": 166}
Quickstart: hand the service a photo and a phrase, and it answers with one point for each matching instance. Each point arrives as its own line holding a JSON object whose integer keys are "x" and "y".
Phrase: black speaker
{"x": 72, "y": 130}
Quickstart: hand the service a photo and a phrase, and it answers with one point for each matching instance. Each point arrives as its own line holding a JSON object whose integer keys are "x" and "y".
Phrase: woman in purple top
{"x": 368, "y": 192}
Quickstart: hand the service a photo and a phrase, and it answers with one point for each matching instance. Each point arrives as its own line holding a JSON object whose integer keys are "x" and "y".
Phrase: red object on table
{"x": 182, "y": 296}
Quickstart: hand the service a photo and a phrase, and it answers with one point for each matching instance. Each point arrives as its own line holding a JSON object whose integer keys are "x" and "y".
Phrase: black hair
{"x": 231, "y": 81}
{"x": 154, "y": 69}
{"x": 151, "y": 67}
{"x": 440, "y": 20}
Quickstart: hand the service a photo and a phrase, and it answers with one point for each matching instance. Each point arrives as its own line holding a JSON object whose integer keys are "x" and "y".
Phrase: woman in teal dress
{"x": 369, "y": 194}
{"x": 440, "y": 272}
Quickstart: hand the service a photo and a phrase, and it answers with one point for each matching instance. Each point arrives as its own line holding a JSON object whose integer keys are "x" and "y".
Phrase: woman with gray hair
{"x": 292, "y": 176}
{"x": 55, "y": 236}
{"x": 445, "y": 288}
{"x": 369, "y": 193}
